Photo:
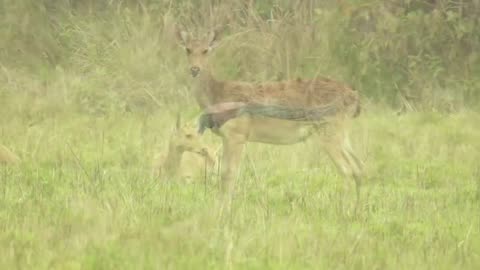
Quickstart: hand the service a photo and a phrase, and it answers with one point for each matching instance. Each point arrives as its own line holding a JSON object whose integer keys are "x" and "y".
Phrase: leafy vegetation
{"x": 424, "y": 53}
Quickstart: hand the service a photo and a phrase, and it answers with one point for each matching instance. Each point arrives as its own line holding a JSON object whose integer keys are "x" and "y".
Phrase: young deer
{"x": 283, "y": 112}
{"x": 187, "y": 155}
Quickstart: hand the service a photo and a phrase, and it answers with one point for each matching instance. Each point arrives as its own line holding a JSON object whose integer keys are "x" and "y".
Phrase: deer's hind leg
{"x": 337, "y": 144}
{"x": 355, "y": 161}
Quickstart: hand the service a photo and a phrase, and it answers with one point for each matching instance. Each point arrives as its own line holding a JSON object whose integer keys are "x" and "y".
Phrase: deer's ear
{"x": 213, "y": 38}
{"x": 182, "y": 36}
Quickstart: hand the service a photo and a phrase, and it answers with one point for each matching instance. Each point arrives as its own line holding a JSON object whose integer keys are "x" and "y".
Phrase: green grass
{"x": 83, "y": 199}
{"x": 88, "y": 91}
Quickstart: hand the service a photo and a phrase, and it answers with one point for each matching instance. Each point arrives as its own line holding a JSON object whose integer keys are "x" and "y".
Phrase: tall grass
{"x": 418, "y": 53}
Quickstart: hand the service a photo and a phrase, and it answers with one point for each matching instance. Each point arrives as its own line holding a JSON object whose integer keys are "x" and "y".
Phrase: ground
{"x": 83, "y": 198}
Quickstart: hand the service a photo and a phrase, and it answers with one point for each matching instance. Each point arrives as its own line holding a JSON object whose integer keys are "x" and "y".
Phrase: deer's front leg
{"x": 234, "y": 139}
{"x": 231, "y": 158}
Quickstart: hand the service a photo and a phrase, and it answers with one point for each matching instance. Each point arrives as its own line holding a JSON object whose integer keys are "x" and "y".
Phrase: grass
{"x": 83, "y": 199}
{"x": 89, "y": 89}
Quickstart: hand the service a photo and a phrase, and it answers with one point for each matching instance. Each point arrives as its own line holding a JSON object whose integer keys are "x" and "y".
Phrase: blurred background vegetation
{"x": 98, "y": 57}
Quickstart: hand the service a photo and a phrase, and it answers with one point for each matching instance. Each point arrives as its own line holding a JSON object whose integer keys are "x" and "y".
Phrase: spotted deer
{"x": 276, "y": 112}
{"x": 187, "y": 155}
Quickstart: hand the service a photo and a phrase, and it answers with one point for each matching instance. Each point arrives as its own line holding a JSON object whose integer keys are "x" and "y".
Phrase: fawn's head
{"x": 185, "y": 138}
{"x": 198, "y": 49}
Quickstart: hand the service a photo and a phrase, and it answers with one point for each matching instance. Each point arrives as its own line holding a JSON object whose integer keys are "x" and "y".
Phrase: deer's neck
{"x": 172, "y": 160}
{"x": 207, "y": 89}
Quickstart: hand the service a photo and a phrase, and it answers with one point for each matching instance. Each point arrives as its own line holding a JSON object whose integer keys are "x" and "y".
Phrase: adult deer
{"x": 284, "y": 112}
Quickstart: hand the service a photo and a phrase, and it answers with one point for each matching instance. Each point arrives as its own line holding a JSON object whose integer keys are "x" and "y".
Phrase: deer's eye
{"x": 205, "y": 51}
{"x": 189, "y": 51}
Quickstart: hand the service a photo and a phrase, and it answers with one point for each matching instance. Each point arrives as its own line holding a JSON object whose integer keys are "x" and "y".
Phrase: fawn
{"x": 187, "y": 156}
{"x": 280, "y": 112}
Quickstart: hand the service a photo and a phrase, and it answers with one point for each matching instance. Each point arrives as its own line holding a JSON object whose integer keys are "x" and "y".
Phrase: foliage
{"x": 404, "y": 52}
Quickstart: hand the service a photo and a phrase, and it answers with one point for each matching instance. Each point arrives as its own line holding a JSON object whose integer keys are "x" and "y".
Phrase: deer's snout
{"x": 194, "y": 70}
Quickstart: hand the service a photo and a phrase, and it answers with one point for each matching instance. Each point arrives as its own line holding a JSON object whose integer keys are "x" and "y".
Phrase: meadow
{"x": 84, "y": 199}
{"x": 86, "y": 104}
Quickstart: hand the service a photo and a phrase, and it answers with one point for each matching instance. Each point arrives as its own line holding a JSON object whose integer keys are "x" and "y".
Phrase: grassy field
{"x": 83, "y": 199}
{"x": 88, "y": 94}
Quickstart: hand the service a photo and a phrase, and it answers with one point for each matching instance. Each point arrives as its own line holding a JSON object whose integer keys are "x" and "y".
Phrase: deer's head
{"x": 198, "y": 49}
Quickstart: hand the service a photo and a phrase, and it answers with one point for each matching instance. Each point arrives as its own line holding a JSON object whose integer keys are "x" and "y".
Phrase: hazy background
{"x": 108, "y": 56}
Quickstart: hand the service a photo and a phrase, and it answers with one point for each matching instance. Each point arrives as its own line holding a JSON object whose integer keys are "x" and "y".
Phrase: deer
{"x": 186, "y": 157}
{"x": 272, "y": 112}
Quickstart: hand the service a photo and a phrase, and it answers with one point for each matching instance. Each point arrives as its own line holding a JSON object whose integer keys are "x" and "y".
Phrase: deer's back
{"x": 293, "y": 93}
